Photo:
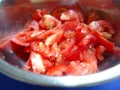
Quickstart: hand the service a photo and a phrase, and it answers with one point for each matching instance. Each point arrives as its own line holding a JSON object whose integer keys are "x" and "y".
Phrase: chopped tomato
{"x": 46, "y": 34}
{"x": 109, "y": 46}
{"x": 80, "y": 68}
{"x": 37, "y": 15}
{"x": 88, "y": 55}
{"x": 49, "y": 52}
{"x": 101, "y": 25}
{"x": 66, "y": 46}
{"x": 71, "y": 15}
{"x": 69, "y": 33}
{"x": 75, "y": 68}
{"x": 61, "y": 43}
{"x": 54, "y": 38}
{"x": 49, "y": 22}
{"x": 58, "y": 11}
{"x": 34, "y": 35}
{"x": 58, "y": 70}
{"x": 35, "y": 63}
{"x": 33, "y": 25}
{"x": 39, "y": 47}
{"x": 81, "y": 31}
{"x": 68, "y": 25}
{"x": 20, "y": 39}
{"x": 88, "y": 42}
{"x": 73, "y": 54}
{"x": 99, "y": 51}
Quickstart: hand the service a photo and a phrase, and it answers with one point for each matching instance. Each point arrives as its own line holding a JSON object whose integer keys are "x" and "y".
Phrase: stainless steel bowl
{"x": 13, "y": 19}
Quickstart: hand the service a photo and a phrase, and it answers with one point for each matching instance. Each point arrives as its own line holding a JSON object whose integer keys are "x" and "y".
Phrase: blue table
{"x": 7, "y": 83}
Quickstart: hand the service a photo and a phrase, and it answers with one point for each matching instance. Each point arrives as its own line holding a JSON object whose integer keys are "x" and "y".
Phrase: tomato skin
{"x": 20, "y": 39}
{"x": 69, "y": 25}
{"x": 102, "y": 41}
{"x": 81, "y": 31}
{"x": 38, "y": 13}
{"x": 72, "y": 54}
{"x": 88, "y": 42}
{"x": 24, "y": 38}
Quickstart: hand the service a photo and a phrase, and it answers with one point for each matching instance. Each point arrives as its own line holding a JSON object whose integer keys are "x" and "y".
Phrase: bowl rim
{"x": 63, "y": 81}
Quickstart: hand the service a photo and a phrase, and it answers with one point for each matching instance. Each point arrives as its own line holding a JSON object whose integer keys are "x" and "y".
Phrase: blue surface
{"x": 7, "y": 83}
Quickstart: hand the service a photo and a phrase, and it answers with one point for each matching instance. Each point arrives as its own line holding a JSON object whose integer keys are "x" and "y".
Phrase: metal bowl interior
{"x": 14, "y": 15}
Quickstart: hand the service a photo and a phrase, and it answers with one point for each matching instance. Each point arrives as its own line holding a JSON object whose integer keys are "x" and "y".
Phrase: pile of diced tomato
{"x": 65, "y": 41}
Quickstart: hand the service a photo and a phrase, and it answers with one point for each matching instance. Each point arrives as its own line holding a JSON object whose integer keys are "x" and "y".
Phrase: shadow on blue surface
{"x": 7, "y": 83}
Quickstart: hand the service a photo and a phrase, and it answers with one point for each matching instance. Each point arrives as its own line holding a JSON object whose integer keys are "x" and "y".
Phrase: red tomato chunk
{"x": 65, "y": 41}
